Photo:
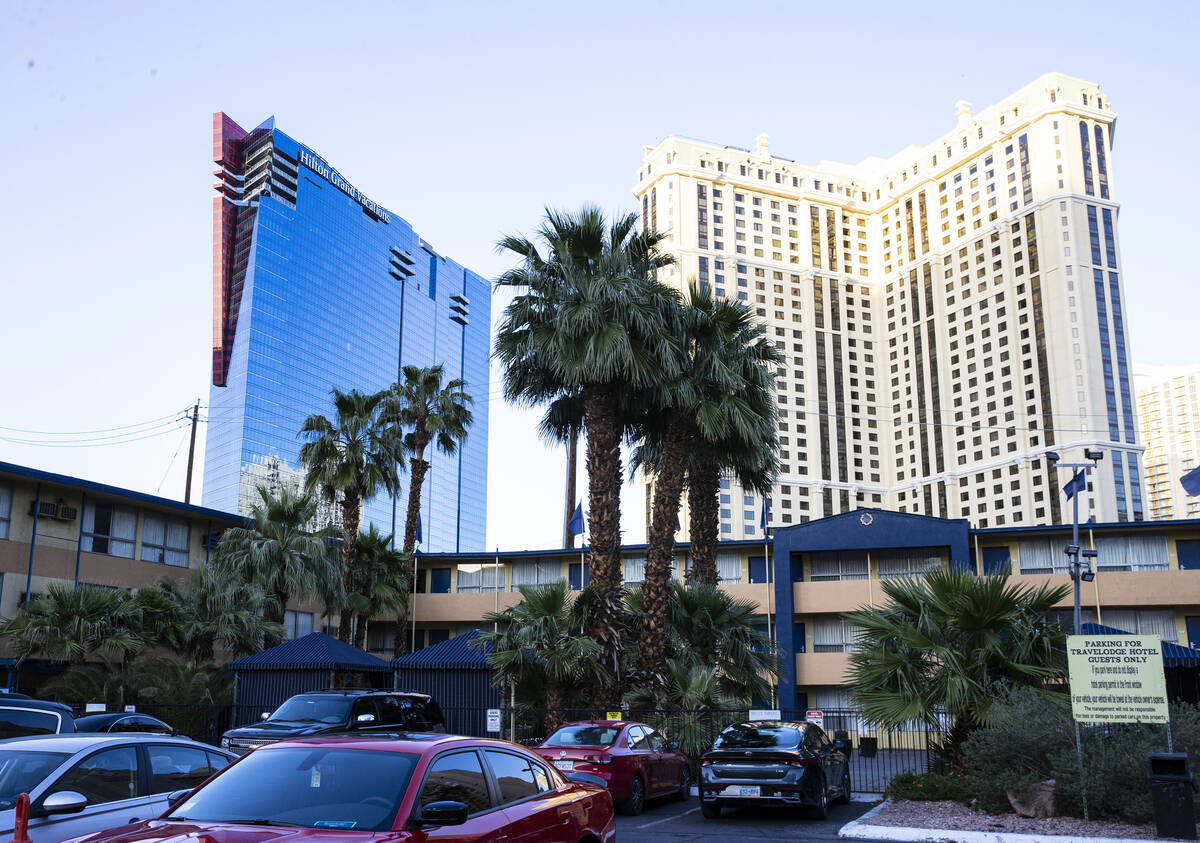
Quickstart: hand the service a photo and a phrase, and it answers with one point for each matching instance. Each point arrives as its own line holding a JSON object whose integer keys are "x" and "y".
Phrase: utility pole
{"x": 187, "y": 489}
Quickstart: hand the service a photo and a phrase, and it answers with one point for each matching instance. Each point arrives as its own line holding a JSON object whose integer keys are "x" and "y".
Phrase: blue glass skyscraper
{"x": 316, "y": 286}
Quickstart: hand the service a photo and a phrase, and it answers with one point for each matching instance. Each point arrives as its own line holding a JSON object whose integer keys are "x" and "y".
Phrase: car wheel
{"x": 821, "y": 810}
{"x": 844, "y": 796}
{"x": 710, "y": 810}
{"x": 632, "y": 806}
{"x": 685, "y": 784}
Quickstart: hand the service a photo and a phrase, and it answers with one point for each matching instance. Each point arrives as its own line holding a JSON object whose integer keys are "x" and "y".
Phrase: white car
{"x": 81, "y": 783}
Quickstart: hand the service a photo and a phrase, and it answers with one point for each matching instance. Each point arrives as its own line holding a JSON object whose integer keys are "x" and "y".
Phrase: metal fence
{"x": 877, "y": 754}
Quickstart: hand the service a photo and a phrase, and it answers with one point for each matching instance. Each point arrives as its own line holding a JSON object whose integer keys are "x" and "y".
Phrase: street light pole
{"x": 1073, "y": 549}
{"x": 1077, "y": 573}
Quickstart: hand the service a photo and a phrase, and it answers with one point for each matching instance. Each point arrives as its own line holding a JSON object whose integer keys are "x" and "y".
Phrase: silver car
{"x": 82, "y": 783}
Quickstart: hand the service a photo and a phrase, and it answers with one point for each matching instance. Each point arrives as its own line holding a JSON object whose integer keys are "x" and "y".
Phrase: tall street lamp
{"x": 1078, "y": 571}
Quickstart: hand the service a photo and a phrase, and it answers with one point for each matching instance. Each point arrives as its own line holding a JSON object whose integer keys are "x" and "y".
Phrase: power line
{"x": 178, "y": 448}
{"x": 126, "y": 427}
{"x": 90, "y": 443}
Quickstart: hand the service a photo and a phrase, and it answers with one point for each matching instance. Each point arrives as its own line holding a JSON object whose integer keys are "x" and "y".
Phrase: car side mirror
{"x": 64, "y": 802}
{"x": 672, "y": 745}
{"x": 364, "y": 719}
{"x": 443, "y": 813}
{"x": 175, "y": 796}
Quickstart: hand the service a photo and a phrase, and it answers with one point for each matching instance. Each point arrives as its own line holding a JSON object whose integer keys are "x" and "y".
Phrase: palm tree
{"x": 681, "y": 704}
{"x": 379, "y": 583}
{"x": 353, "y": 457}
{"x": 707, "y": 627}
{"x": 586, "y": 329}
{"x": 218, "y": 609}
{"x": 533, "y": 642}
{"x": 711, "y": 401}
{"x": 279, "y": 555}
{"x": 72, "y": 623}
{"x": 944, "y": 641}
{"x": 432, "y": 413}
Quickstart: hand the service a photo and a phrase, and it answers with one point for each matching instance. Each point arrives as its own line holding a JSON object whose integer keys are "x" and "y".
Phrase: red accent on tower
{"x": 229, "y": 155}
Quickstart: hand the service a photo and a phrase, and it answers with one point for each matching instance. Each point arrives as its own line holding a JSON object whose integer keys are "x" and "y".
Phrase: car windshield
{"x": 758, "y": 737}
{"x": 315, "y": 708}
{"x": 323, "y": 787}
{"x": 584, "y": 736}
{"x": 21, "y": 771}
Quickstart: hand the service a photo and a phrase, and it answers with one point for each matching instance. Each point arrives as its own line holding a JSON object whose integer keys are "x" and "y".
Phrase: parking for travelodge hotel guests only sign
{"x": 1117, "y": 678}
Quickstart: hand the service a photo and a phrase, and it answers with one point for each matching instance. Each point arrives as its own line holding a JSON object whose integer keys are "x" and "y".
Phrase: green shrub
{"x": 1014, "y": 754}
{"x": 928, "y": 787}
{"x": 1033, "y": 739}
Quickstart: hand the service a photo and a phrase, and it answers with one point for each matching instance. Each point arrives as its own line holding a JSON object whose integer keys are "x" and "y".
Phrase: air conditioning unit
{"x": 44, "y": 509}
{"x": 67, "y": 513}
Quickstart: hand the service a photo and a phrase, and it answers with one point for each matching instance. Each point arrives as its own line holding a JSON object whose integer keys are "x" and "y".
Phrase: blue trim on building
{"x": 115, "y": 491}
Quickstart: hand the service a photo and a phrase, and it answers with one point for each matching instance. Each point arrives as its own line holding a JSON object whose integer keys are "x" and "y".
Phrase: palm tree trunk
{"x": 360, "y": 632}
{"x": 704, "y": 523}
{"x": 275, "y": 614}
{"x": 417, "y": 468}
{"x": 668, "y": 487}
{"x": 554, "y": 705}
{"x": 604, "y": 521}
{"x": 351, "y": 516}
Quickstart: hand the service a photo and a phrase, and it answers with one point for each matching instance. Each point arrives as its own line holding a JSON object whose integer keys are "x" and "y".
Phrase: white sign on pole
{"x": 764, "y": 714}
{"x": 493, "y": 720}
{"x": 92, "y": 708}
{"x": 1117, "y": 679}
{"x": 130, "y": 708}
{"x": 815, "y": 717}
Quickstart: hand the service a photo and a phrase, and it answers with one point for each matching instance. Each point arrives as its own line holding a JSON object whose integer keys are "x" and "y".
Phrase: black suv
{"x": 21, "y": 716}
{"x": 339, "y": 710}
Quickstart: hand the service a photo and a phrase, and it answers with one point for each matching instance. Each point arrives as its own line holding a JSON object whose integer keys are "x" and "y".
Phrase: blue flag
{"x": 1076, "y": 484}
{"x": 1191, "y": 482}
{"x": 575, "y": 525}
{"x": 766, "y": 514}
{"x": 419, "y": 528}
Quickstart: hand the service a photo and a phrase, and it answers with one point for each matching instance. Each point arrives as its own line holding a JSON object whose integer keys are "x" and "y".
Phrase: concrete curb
{"x": 861, "y": 830}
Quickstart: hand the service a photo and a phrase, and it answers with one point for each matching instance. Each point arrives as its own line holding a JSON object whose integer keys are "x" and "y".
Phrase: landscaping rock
{"x": 1041, "y": 802}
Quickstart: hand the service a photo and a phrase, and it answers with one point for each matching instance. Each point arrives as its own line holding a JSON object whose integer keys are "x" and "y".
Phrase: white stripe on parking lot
{"x": 664, "y": 819}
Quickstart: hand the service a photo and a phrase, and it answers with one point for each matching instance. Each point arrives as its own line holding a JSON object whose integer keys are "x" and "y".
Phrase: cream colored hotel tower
{"x": 948, "y": 315}
{"x": 1169, "y": 423}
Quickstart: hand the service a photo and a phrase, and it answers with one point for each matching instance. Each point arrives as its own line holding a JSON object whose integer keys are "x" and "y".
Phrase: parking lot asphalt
{"x": 667, "y": 821}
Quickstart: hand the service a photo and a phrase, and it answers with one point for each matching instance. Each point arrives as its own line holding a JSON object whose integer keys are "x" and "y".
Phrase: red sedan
{"x": 634, "y": 761}
{"x": 421, "y": 787}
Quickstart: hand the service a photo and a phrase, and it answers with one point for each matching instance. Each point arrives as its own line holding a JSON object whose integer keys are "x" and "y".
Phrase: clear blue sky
{"x": 467, "y": 119}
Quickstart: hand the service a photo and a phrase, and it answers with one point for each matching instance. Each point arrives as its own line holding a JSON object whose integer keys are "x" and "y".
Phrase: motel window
{"x": 480, "y": 579}
{"x": 828, "y": 566}
{"x": 297, "y": 624}
{"x": 635, "y": 569}
{"x": 6, "y": 496}
{"x": 832, "y": 634}
{"x": 109, "y": 528}
{"x": 908, "y": 563}
{"x": 165, "y": 540}
{"x": 535, "y": 572}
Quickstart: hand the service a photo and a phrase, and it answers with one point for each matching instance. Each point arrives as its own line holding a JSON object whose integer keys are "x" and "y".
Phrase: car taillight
{"x": 705, "y": 762}
{"x": 803, "y": 762}
{"x": 598, "y": 759}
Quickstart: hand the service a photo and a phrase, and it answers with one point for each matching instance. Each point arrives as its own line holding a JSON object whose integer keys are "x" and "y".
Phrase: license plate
{"x": 565, "y": 765}
{"x": 743, "y": 790}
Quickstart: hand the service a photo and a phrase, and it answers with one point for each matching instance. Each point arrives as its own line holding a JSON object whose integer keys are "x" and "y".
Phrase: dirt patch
{"x": 952, "y": 815}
